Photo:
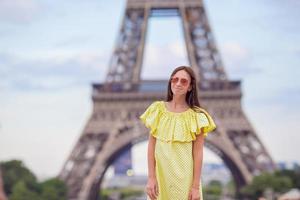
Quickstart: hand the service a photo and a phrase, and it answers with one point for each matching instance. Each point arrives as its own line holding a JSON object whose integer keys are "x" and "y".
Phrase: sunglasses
{"x": 183, "y": 81}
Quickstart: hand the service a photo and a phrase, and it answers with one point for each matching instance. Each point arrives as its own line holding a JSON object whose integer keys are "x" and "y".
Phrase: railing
{"x": 161, "y": 86}
{"x": 161, "y": 3}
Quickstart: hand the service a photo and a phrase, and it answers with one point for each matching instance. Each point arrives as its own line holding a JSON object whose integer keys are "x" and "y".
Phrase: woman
{"x": 175, "y": 148}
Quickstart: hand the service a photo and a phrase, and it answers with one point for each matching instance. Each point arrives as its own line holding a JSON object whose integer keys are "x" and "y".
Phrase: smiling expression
{"x": 180, "y": 83}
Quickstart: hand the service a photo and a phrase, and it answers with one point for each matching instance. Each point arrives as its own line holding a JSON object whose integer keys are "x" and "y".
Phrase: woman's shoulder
{"x": 205, "y": 118}
{"x": 203, "y": 114}
{"x": 156, "y": 104}
{"x": 199, "y": 109}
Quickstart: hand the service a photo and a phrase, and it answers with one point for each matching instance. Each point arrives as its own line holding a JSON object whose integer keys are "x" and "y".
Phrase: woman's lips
{"x": 176, "y": 88}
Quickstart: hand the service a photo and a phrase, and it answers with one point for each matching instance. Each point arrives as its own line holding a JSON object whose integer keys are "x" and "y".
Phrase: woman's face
{"x": 180, "y": 83}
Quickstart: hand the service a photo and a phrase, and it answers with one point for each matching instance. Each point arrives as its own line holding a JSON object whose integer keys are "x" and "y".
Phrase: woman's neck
{"x": 178, "y": 102}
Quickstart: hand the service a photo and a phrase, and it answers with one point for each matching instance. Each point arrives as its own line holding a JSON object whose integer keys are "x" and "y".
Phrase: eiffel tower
{"x": 114, "y": 126}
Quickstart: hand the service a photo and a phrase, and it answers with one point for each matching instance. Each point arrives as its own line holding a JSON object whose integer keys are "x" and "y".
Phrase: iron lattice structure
{"x": 118, "y": 102}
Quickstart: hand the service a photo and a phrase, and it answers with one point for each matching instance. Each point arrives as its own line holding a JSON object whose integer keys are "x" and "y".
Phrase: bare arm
{"x": 152, "y": 185}
{"x": 151, "y": 158}
{"x": 198, "y": 159}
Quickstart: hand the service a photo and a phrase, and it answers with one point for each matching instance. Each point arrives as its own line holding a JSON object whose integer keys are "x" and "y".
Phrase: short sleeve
{"x": 204, "y": 122}
{"x": 151, "y": 117}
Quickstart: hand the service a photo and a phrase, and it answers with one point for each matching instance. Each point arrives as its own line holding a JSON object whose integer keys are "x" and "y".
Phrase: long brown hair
{"x": 191, "y": 97}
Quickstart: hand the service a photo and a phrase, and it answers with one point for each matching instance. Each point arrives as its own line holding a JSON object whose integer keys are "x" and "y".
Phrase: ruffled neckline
{"x": 176, "y": 126}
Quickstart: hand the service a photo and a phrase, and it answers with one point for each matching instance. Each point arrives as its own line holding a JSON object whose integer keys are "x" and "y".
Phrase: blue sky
{"x": 51, "y": 52}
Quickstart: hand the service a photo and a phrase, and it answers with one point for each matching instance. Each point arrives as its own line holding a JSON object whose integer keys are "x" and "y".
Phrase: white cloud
{"x": 54, "y": 69}
{"x": 163, "y": 58}
{"x": 238, "y": 60}
{"x": 18, "y": 10}
{"x": 235, "y": 52}
{"x": 178, "y": 49}
{"x": 87, "y": 58}
{"x": 277, "y": 127}
{"x": 45, "y": 101}
{"x": 41, "y": 128}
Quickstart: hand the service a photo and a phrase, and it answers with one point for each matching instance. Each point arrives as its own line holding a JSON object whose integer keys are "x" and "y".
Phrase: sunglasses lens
{"x": 174, "y": 80}
{"x": 184, "y": 81}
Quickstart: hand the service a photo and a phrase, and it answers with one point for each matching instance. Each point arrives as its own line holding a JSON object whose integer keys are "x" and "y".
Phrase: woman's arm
{"x": 152, "y": 185}
{"x": 151, "y": 158}
{"x": 198, "y": 159}
{"x": 194, "y": 193}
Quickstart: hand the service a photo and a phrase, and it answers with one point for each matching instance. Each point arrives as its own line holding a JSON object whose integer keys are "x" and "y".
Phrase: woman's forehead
{"x": 182, "y": 74}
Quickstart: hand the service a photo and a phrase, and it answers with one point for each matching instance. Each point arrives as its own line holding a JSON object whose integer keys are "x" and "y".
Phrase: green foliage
{"x": 105, "y": 193}
{"x": 53, "y": 189}
{"x": 124, "y": 193}
{"x": 130, "y": 192}
{"x": 21, "y": 192}
{"x": 215, "y": 183}
{"x": 14, "y": 171}
{"x": 294, "y": 175}
{"x": 230, "y": 187}
{"x": 277, "y": 183}
{"x": 213, "y": 190}
{"x": 21, "y": 184}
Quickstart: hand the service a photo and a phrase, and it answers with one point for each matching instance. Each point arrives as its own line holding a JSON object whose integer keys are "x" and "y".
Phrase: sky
{"x": 52, "y": 51}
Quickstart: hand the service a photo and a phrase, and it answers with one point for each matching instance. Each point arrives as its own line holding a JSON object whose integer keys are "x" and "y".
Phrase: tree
{"x": 53, "y": 189}
{"x": 14, "y": 171}
{"x": 21, "y": 192}
{"x": 2, "y": 193}
{"x": 264, "y": 182}
{"x": 294, "y": 175}
{"x": 229, "y": 189}
{"x": 21, "y": 184}
{"x": 213, "y": 190}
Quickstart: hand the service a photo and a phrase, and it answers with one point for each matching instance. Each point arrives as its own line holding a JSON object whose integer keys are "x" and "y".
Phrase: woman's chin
{"x": 178, "y": 93}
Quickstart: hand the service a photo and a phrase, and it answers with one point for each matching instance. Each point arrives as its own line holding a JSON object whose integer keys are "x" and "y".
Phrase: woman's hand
{"x": 194, "y": 194}
{"x": 152, "y": 188}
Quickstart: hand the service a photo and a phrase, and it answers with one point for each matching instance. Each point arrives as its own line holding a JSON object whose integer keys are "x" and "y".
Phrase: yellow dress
{"x": 174, "y": 133}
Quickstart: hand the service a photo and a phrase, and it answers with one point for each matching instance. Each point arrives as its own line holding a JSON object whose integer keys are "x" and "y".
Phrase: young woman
{"x": 177, "y": 131}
